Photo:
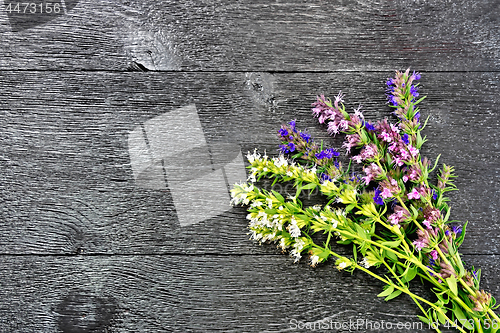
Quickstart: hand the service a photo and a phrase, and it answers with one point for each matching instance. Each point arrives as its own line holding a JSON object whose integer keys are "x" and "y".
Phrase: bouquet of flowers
{"x": 389, "y": 210}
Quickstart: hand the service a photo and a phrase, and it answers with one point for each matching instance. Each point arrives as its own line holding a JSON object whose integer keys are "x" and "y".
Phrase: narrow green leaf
{"x": 392, "y": 244}
{"x": 350, "y": 207}
{"x": 447, "y": 215}
{"x": 278, "y": 196}
{"x": 459, "y": 313}
{"x": 460, "y": 239}
{"x": 361, "y": 232}
{"x": 391, "y": 255}
{"x": 435, "y": 163}
{"x": 386, "y": 292}
{"x": 420, "y": 100}
{"x": 452, "y": 283}
{"x": 424, "y": 319}
{"x": 412, "y": 272}
{"x": 415, "y": 212}
{"x": 441, "y": 318}
{"x": 355, "y": 252}
{"x": 395, "y": 294}
{"x": 309, "y": 186}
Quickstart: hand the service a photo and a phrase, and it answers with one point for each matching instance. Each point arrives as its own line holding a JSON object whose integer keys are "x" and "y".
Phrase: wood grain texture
{"x": 195, "y": 294}
{"x": 340, "y": 35}
{"x": 68, "y": 186}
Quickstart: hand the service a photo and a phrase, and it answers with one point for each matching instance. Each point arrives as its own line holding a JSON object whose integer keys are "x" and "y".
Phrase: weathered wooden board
{"x": 259, "y": 36}
{"x": 167, "y": 293}
{"x": 68, "y": 186}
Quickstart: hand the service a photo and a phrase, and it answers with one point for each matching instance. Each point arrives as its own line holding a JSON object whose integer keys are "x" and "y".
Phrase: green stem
{"x": 402, "y": 284}
{"x": 406, "y": 291}
{"x": 494, "y": 315}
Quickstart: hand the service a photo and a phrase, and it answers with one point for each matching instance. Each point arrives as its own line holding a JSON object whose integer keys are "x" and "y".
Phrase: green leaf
{"x": 415, "y": 212}
{"x": 410, "y": 275}
{"x": 361, "y": 231}
{"x": 435, "y": 163}
{"x": 355, "y": 252}
{"x": 425, "y": 123}
{"x": 387, "y": 291}
{"x": 391, "y": 255}
{"x": 462, "y": 319}
{"x": 452, "y": 283}
{"x": 395, "y": 294}
{"x": 424, "y": 319}
{"x": 447, "y": 215}
{"x": 441, "y": 317}
{"x": 392, "y": 244}
{"x": 309, "y": 186}
{"x": 278, "y": 196}
{"x": 460, "y": 239}
{"x": 420, "y": 100}
{"x": 350, "y": 207}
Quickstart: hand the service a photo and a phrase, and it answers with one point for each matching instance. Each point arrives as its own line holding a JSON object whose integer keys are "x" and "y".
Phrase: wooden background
{"x": 83, "y": 249}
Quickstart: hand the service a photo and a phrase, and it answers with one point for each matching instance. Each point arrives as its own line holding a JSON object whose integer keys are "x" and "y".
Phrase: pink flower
{"x": 434, "y": 254}
{"x": 419, "y": 245}
{"x": 332, "y": 128}
{"x": 344, "y": 125}
{"x": 386, "y": 137}
{"x": 405, "y": 178}
{"x": 398, "y": 161}
{"x": 358, "y": 158}
{"x": 414, "y": 174}
{"x": 394, "y": 128}
{"x": 413, "y": 150}
{"x": 414, "y": 194}
{"x": 386, "y": 193}
{"x": 427, "y": 224}
{"x": 394, "y": 219}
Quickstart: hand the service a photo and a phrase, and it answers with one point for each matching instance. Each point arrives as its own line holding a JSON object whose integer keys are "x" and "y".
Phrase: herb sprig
{"x": 390, "y": 212}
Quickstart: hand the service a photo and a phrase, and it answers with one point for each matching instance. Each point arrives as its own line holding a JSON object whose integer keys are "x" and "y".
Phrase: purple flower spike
{"x": 305, "y": 136}
{"x": 405, "y": 138}
{"x": 283, "y": 132}
{"x": 413, "y": 91}
{"x": 324, "y": 177}
{"x": 457, "y": 230}
{"x": 289, "y": 148}
{"x": 369, "y": 127}
{"x": 377, "y": 198}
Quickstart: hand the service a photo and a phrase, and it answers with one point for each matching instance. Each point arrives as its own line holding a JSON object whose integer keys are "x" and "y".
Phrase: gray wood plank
{"x": 68, "y": 183}
{"x": 196, "y": 294}
{"x": 336, "y": 35}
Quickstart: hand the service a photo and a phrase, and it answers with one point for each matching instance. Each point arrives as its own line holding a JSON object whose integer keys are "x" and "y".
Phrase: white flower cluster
{"x": 365, "y": 263}
{"x": 297, "y": 248}
{"x": 334, "y": 217}
{"x": 261, "y": 219}
{"x": 265, "y": 227}
{"x": 293, "y": 229}
{"x": 279, "y": 166}
{"x": 240, "y": 194}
